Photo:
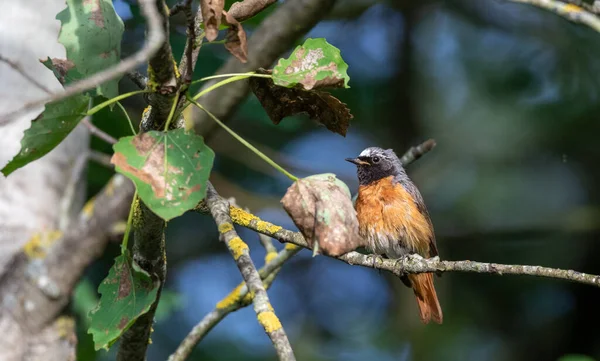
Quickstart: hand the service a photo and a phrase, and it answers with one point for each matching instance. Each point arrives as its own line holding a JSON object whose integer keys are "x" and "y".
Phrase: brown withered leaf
{"x": 235, "y": 41}
{"x": 321, "y": 208}
{"x": 211, "y": 15}
{"x": 280, "y": 102}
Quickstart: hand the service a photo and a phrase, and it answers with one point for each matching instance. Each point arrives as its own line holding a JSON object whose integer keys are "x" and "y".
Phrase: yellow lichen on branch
{"x": 269, "y": 321}
{"x": 235, "y": 297}
{"x": 231, "y": 299}
{"x": 291, "y": 247}
{"x": 572, "y": 8}
{"x": 237, "y": 247}
{"x": 88, "y": 208}
{"x": 243, "y": 218}
{"x": 225, "y": 227}
{"x": 40, "y": 241}
{"x": 270, "y": 256}
{"x": 263, "y": 226}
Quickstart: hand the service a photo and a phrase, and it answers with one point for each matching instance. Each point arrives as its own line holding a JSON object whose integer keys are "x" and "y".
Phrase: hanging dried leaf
{"x": 280, "y": 102}
{"x": 235, "y": 40}
{"x": 321, "y": 208}
{"x": 211, "y": 15}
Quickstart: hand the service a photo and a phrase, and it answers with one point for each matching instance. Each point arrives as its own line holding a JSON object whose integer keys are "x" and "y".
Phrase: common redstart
{"x": 394, "y": 221}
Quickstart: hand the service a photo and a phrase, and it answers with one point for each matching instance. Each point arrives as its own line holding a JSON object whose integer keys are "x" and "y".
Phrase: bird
{"x": 394, "y": 221}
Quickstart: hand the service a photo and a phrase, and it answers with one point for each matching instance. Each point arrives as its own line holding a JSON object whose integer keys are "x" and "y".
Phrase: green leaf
{"x": 576, "y": 357}
{"x": 170, "y": 170}
{"x": 314, "y": 64}
{"x": 91, "y": 33}
{"x": 126, "y": 293}
{"x": 48, "y": 130}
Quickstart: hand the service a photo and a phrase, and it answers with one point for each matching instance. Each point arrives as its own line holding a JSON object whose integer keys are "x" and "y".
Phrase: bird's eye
{"x": 375, "y": 159}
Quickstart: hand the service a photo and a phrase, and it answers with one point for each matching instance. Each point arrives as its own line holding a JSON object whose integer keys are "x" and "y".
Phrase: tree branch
{"x": 154, "y": 41}
{"x": 43, "y": 278}
{"x": 98, "y": 132}
{"x": 412, "y": 264}
{"x": 571, "y": 10}
{"x": 149, "y": 229}
{"x": 138, "y": 79}
{"x": 25, "y": 74}
{"x": 244, "y": 10}
{"x": 238, "y": 298}
{"x": 219, "y": 208}
{"x": 275, "y": 35}
{"x": 191, "y": 39}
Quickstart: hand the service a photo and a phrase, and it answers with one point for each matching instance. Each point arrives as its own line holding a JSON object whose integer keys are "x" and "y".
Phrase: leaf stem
{"x": 249, "y": 75}
{"x": 244, "y": 142}
{"x": 101, "y": 106}
{"x": 173, "y": 107}
{"x": 128, "y": 118}
{"x": 129, "y": 221}
{"x": 220, "y": 84}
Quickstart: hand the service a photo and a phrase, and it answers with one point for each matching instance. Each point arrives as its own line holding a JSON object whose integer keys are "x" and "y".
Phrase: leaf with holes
{"x": 321, "y": 208}
{"x": 314, "y": 64}
{"x": 280, "y": 102}
{"x": 125, "y": 294}
{"x": 48, "y": 130}
{"x": 91, "y": 32}
{"x": 170, "y": 170}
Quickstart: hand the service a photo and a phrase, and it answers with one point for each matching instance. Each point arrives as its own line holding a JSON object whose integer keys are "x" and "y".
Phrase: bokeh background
{"x": 511, "y": 95}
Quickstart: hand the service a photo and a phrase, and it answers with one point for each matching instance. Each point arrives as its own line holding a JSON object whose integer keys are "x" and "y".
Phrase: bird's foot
{"x": 409, "y": 257}
{"x": 376, "y": 258}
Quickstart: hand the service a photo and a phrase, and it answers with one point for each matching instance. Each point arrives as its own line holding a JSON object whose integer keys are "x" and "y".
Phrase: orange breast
{"x": 390, "y": 220}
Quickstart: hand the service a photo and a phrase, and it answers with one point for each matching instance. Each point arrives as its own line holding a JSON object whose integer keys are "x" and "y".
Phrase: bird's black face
{"x": 376, "y": 163}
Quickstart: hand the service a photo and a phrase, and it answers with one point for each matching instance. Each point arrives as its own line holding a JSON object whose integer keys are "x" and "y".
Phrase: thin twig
{"x": 567, "y": 10}
{"x": 219, "y": 209}
{"x": 238, "y": 298}
{"x": 191, "y": 38}
{"x": 138, "y": 79}
{"x": 17, "y": 67}
{"x": 415, "y": 264}
{"x": 414, "y": 153}
{"x": 97, "y": 132}
{"x": 101, "y": 158}
{"x": 267, "y": 242}
{"x": 192, "y": 48}
{"x": 179, "y": 7}
{"x": 154, "y": 41}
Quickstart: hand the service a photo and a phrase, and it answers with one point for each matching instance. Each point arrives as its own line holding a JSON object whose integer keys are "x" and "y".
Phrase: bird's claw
{"x": 413, "y": 257}
{"x": 376, "y": 258}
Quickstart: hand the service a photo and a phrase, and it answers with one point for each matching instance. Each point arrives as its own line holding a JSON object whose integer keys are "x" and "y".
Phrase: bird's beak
{"x": 357, "y": 161}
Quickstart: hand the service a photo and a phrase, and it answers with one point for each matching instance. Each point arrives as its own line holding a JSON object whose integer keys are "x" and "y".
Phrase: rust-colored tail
{"x": 429, "y": 306}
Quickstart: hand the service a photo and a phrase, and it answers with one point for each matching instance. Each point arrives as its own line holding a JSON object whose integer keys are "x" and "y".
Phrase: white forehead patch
{"x": 365, "y": 153}
{"x": 369, "y": 152}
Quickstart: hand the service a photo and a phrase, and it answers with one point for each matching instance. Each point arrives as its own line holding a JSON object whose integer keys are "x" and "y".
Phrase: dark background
{"x": 510, "y": 94}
